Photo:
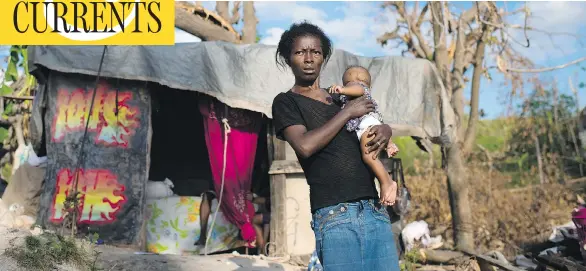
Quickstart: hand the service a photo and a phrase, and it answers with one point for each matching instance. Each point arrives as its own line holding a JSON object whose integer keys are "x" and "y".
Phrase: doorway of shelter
{"x": 179, "y": 153}
{"x": 178, "y": 147}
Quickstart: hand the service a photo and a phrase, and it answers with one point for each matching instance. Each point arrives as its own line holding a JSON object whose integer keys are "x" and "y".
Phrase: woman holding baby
{"x": 350, "y": 221}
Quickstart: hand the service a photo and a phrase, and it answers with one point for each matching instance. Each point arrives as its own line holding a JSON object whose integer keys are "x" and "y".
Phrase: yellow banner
{"x": 83, "y": 22}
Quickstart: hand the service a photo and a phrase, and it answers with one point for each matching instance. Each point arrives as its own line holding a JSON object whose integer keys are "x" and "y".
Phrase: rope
{"x": 81, "y": 156}
{"x": 227, "y": 130}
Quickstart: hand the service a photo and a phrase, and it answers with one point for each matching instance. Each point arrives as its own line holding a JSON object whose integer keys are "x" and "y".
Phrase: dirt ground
{"x": 126, "y": 260}
{"x": 112, "y": 258}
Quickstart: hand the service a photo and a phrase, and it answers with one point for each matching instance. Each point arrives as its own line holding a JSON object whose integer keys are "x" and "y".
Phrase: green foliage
{"x": 409, "y": 152}
{"x": 410, "y": 259}
{"x": 5, "y": 90}
{"x": 3, "y": 134}
{"x": 47, "y": 251}
{"x": 11, "y": 73}
{"x": 7, "y": 171}
{"x": 492, "y": 134}
{"x": 18, "y": 59}
{"x": 15, "y": 84}
{"x": 536, "y": 121}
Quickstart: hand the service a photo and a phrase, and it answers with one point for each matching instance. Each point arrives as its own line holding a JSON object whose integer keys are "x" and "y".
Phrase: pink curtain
{"x": 242, "y": 140}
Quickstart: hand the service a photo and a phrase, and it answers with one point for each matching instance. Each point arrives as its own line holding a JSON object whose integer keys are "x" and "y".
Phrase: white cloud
{"x": 276, "y": 11}
{"x": 353, "y": 27}
{"x": 184, "y": 37}
{"x": 273, "y": 35}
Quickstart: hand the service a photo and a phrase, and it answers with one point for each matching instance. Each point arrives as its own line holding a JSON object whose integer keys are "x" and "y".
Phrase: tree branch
{"x": 458, "y": 83}
{"x": 186, "y": 20}
{"x": 250, "y": 22}
{"x": 470, "y": 137}
{"x": 414, "y": 31}
{"x": 574, "y": 62}
{"x": 222, "y": 9}
{"x": 440, "y": 54}
{"x": 530, "y": 28}
{"x": 235, "y": 13}
{"x": 421, "y": 15}
{"x": 384, "y": 38}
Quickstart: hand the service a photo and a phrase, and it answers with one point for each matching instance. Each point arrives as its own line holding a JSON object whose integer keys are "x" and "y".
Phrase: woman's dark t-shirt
{"x": 336, "y": 173}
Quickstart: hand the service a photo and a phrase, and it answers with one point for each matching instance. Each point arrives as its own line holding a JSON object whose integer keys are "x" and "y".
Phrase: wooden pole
{"x": 278, "y": 225}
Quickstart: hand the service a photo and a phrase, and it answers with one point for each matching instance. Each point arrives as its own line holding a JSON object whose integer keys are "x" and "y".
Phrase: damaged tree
{"x": 211, "y": 26}
{"x": 452, "y": 61}
{"x": 456, "y": 42}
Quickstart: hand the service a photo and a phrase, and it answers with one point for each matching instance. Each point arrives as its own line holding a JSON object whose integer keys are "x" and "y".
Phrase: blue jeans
{"x": 355, "y": 236}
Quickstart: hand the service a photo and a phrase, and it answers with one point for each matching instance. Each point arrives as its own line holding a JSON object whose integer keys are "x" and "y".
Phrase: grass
{"x": 411, "y": 258}
{"x": 48, "y": 250}
{"x": 492, "y": 135}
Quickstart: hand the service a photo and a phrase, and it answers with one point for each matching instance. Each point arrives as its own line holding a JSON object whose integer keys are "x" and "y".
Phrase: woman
{"x": 352, "y": 230}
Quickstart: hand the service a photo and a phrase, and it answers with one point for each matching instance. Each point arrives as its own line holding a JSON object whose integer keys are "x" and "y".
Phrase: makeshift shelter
{"x": 136, "y": 78}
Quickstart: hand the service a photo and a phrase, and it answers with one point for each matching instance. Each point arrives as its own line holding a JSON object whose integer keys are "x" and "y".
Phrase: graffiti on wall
{"x": 111, "y": 129}
{"x": 102, "y": 196}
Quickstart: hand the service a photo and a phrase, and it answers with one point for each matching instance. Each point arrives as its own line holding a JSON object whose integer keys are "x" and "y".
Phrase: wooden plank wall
{"x": 278, "y": 224}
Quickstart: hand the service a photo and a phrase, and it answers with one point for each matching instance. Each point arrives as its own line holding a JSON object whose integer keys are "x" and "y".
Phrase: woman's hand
{"x": 382, "y": 134}
{"x": 358, "y": 107}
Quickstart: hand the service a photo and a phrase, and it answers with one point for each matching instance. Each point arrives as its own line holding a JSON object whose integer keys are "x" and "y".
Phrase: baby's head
{"x": 356, "y": 74}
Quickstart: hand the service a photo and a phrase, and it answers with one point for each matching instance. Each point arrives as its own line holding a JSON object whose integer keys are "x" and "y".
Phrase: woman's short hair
{"x": 302, "y": 29}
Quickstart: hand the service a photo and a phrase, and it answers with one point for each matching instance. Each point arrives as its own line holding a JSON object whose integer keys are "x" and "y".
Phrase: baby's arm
{"x": 354, "y": 90}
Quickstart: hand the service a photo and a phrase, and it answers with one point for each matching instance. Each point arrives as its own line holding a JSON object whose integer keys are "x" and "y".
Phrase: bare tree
{"x": 209, "y": 25}
{"x": 250, "y": 21}
{"x": 456, "y": 41}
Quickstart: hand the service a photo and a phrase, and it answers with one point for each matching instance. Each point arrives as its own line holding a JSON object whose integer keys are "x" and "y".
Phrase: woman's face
{"x": 306, "y": 58}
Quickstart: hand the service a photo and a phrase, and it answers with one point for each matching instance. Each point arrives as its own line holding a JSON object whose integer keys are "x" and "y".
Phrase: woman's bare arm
{"x": 306, "y": 143}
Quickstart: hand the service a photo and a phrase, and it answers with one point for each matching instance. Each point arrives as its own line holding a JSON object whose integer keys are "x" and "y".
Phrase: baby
{"x": 356, "y": 82}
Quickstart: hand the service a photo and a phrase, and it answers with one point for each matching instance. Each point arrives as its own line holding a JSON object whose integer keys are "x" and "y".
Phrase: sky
{"x": 354, "y": 27}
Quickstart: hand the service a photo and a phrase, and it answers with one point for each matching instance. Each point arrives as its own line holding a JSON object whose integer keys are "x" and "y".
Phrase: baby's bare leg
{"x": 386, "y": 192}
{"x": 392, "y": 149}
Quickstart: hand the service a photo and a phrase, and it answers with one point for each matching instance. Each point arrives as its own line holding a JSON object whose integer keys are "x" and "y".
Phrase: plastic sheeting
{"x": 113, "y": 171}
{"x": 408, "y": 91}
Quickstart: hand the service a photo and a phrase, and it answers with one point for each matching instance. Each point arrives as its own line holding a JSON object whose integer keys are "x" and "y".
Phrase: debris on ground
{"x": 13, "y": 216}
{"x": 565, "y": 249}
{"x": 417, "y": 234}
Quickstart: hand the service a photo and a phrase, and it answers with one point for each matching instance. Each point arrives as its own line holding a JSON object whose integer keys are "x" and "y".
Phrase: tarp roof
{"x": 408, "y": 90}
